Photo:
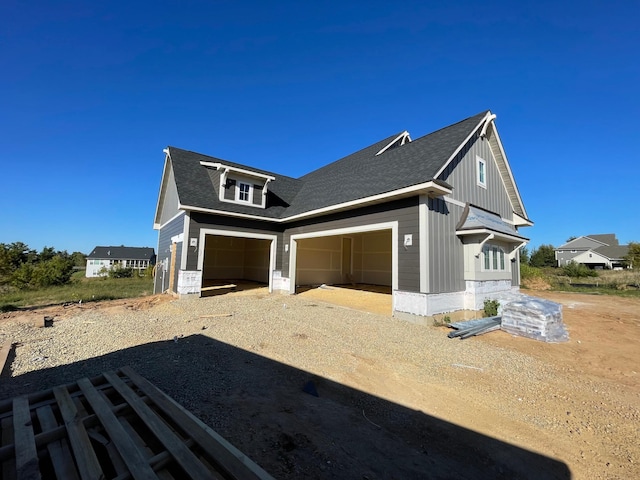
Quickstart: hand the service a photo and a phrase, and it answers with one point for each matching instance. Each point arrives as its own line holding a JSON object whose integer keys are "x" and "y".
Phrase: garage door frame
{"x": 234, "y": 233}
{"x": 393, "y": 226}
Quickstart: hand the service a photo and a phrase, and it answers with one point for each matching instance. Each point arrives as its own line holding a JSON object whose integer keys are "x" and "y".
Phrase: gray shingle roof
{"x": 123, "y": 253}
{"x": 613, "y": 252}
{"x": 359, "y": 175}
{"x": 607, "y": 238}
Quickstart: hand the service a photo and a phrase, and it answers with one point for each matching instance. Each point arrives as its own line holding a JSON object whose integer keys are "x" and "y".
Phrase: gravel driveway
{"x": 394, "y": 399}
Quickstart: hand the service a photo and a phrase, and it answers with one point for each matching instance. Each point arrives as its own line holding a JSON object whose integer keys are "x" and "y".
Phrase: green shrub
{"x": 491, "y": 307}
{"x": 578, "y": 270}
{"x": 120, "y": 272}
{"x": 54, "y": 271}
{"x": 527, "y": 271}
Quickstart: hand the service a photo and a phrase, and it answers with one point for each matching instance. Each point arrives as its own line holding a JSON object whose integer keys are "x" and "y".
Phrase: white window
{"x": 481, "y": 171}
{"x": 244, "y": 192}
{"x": 493, "y": 258}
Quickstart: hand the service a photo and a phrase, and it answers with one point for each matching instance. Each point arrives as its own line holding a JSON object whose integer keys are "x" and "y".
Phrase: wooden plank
{"x": 86, "y": 459}
{"x": 185, "y": 457}
{"x": 4, "y": 353}
{"x": 8, "y": 463}
{"x": 172, "y": 266}
{"x": 133, "y": 458}
{"x": 232, "y": 461}
{"x": 27, "y": 466}
{"x": 59, "y": 451}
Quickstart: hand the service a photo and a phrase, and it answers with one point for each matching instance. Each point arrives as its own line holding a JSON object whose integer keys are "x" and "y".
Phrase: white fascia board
{"x": 429, "y": 188}
{"x": 461, "y": 146}
{"x": 245, "y": 204}
{"x": 163, "y": 187}
{"x": 497, "y": 235}
{"x": 229, "y": 214}
{"x": 520, "y": 221}
{"x": 158, "y": 226}
{"x": 506, "y": 162}
{"x": 243, "y": 171}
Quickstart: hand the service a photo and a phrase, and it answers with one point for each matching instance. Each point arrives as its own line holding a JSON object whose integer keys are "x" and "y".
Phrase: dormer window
{"x": 244, "y": 192}
{"x": 239, "y": 185}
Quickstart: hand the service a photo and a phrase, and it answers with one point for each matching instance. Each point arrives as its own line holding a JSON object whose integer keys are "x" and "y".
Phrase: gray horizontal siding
{"x": 169, "y": 200}
{"x": 171, "y": 229}
{"x": 219, "y": 222}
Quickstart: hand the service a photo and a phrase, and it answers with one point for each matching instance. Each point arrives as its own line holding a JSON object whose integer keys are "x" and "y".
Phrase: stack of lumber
{"x": 117, "y": 425}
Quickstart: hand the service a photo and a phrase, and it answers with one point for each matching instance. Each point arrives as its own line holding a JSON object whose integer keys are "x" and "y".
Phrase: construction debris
{"x": 471, "y": 328}
{"x": 534, "y": 318}
{"x": 519, "y": 315}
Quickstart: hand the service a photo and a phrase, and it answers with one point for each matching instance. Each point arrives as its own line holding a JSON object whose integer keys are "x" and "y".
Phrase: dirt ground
{"x": 604, "y": 347}
{"x": 587, "y": 416}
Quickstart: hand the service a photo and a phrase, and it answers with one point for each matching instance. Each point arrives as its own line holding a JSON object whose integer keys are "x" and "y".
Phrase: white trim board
{"x": 234, "y": 233}
{"x": 393, "y": 226}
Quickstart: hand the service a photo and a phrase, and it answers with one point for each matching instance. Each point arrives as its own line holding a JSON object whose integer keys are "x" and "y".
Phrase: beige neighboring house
{"x": 594, "y": 251}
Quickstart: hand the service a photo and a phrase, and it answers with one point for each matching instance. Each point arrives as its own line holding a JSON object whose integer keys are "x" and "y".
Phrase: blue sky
{"x": 91, "y": 92}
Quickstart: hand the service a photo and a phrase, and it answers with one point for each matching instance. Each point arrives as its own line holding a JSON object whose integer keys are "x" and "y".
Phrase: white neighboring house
{"x": 138, "y": 258}
{"x": 594, "y": 251}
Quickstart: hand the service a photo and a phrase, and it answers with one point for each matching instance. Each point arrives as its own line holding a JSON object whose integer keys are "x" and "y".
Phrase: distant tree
{"x": 633, "y": 257}
{"x": 23, "y": 267}
{"x": 54, "y": 271}
{"x": 47, "y": 253}
{"x": 524, "y": 255}
{"x": 543, "y": 256}
{"x": 12, "y": 256}
{"x": 79, "y": 259}
{"x": 570, "y": 238}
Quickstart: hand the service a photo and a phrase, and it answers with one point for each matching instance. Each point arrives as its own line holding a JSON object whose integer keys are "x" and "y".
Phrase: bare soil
{"x": 575, "y": 415}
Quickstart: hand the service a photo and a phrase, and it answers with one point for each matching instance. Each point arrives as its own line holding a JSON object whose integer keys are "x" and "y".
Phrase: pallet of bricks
{"x": 534, "y": 318}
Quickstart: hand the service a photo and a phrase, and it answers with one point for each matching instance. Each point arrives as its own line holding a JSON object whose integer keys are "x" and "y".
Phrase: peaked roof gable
{"x": 586, "y": 242}
{"x": 393, "y": 167}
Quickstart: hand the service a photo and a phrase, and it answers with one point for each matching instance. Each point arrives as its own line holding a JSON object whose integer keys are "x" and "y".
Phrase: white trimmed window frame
{"x": 481, "y": 172}
{"x": 241, "y": 191}
{"x": 494, "y": 258}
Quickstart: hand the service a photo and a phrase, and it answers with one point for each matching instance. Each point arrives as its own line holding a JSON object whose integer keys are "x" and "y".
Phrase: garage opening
{"x": 345, "y": 266}
{"x": 233, "y": 263}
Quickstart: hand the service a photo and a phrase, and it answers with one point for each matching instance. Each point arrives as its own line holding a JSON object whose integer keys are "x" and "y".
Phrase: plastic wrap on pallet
{"x": 535, "y": 318}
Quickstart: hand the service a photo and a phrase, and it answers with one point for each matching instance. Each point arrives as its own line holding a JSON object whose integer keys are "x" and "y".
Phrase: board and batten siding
{"x": 404, "y": 211}
{"x": 231, "y": 224}
{"x": 461, "y": 174}
{"x": 171, "y": 229}
{"x": 445, "y": 248}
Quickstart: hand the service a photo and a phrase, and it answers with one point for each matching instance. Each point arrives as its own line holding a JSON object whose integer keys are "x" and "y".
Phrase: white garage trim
{"x": 232, "y": 233}
{"x": 393, "y": 226}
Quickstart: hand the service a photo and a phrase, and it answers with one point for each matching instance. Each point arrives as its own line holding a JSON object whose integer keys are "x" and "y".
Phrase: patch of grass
{"x": 441, "y": 322}
{"x": 80, "y": 288}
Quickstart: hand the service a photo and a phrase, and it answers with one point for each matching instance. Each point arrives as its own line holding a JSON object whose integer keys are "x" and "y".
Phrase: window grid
{"x": 493, "y": 260}
{"x": 243, "y": 192}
